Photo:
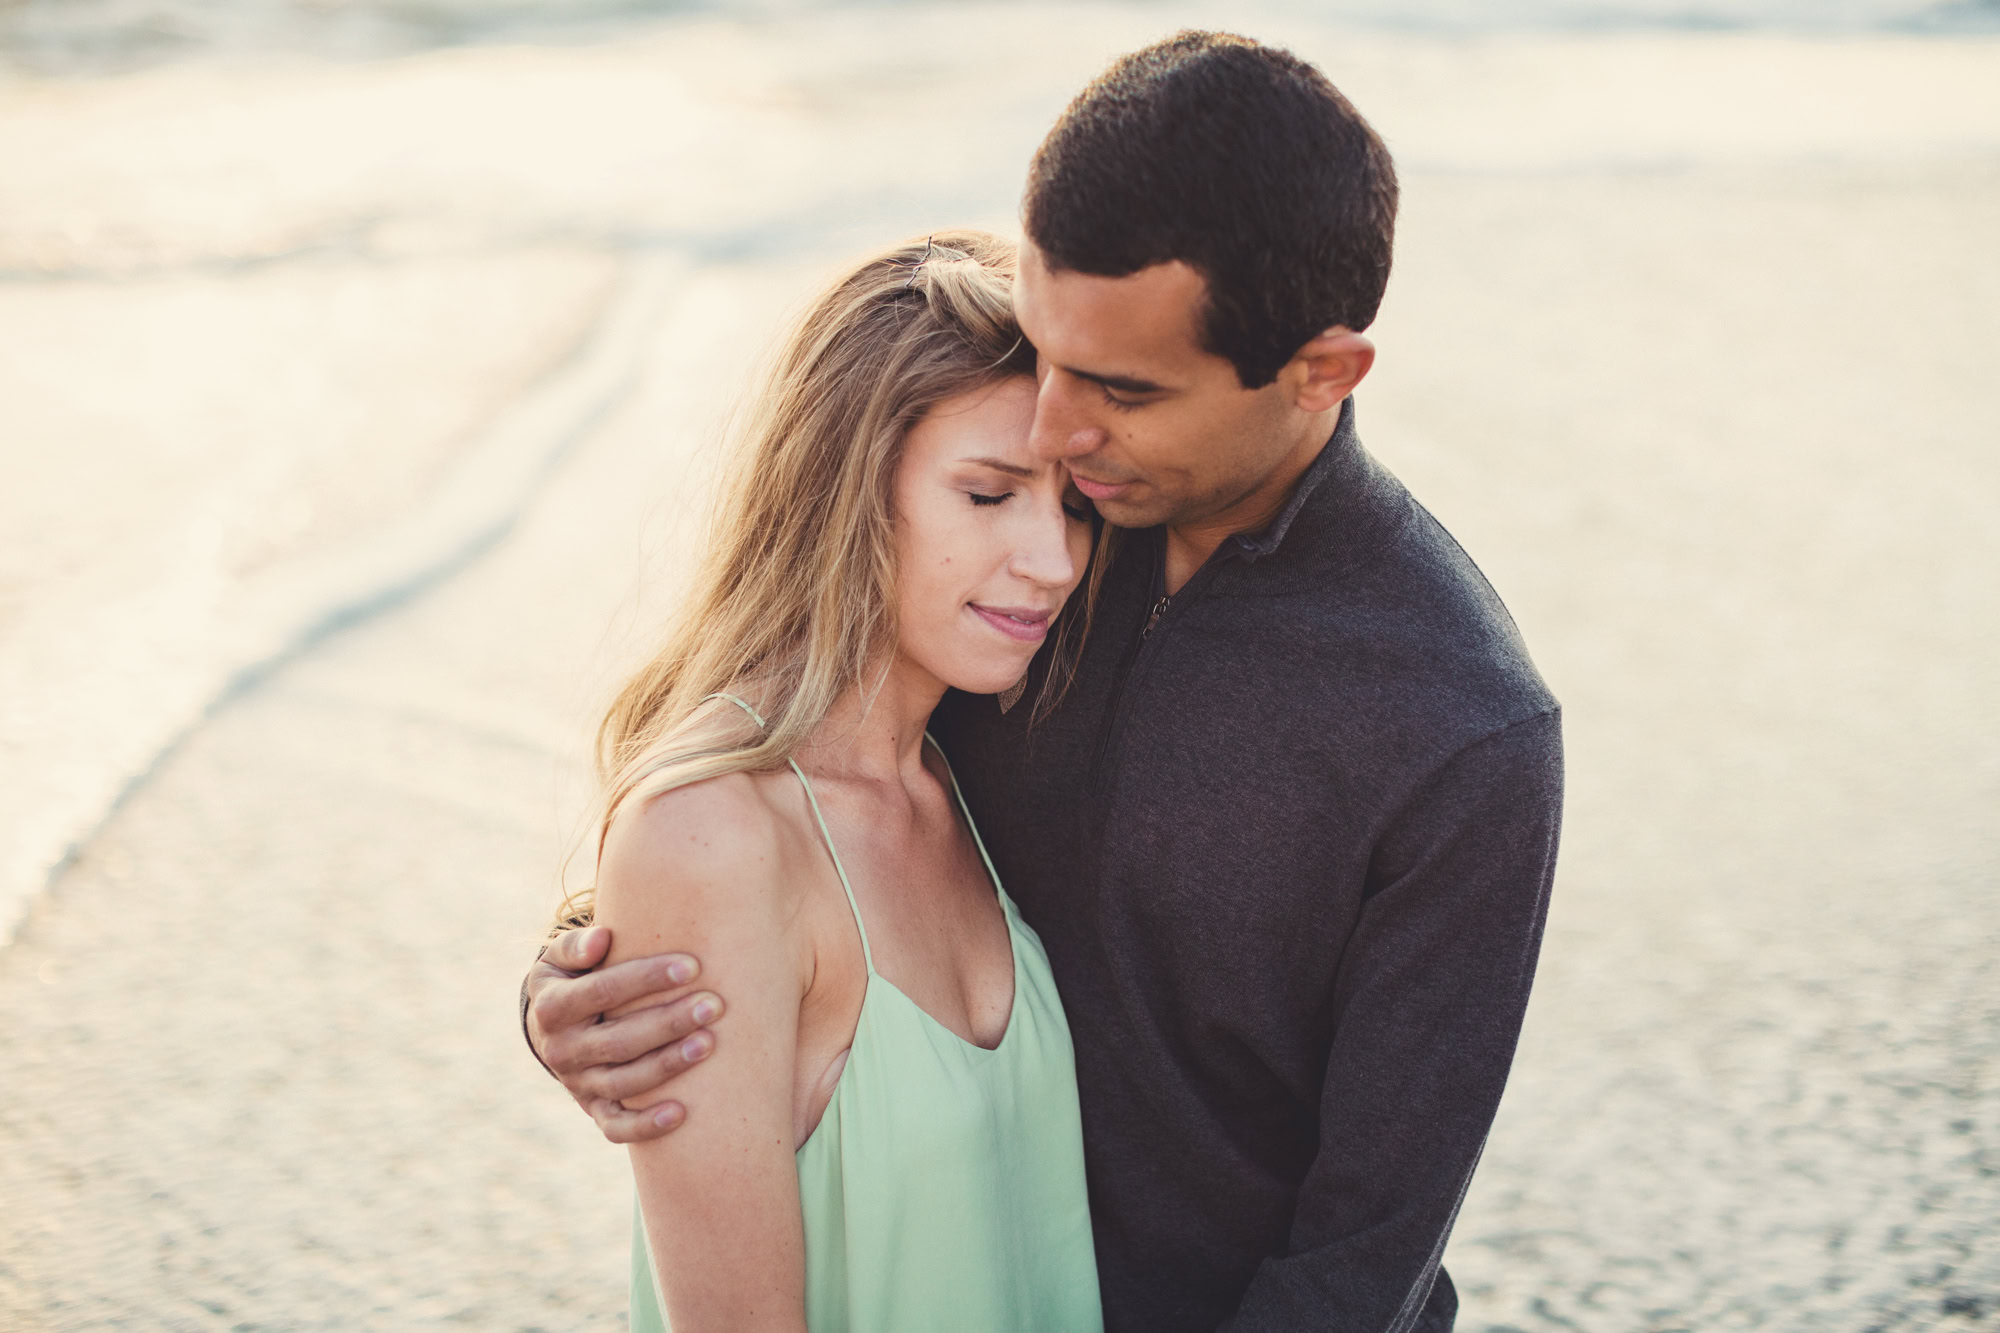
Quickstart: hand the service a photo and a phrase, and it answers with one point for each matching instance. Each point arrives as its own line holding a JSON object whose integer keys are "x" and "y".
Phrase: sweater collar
{"x": 1255, "y": 545}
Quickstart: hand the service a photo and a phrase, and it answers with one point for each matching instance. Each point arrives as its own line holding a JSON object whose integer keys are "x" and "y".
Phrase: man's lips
{"x": 1099, "y": 490}
{"x": 1023, "y": 624}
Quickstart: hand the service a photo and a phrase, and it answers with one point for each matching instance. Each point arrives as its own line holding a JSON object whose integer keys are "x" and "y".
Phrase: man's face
{"x": 1154, "y": 429}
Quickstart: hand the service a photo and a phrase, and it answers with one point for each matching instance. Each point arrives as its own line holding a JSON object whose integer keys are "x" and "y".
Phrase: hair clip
{"x": 930, "y": 243}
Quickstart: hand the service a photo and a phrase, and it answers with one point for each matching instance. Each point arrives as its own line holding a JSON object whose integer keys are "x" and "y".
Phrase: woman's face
{"x": 989, "y": 539}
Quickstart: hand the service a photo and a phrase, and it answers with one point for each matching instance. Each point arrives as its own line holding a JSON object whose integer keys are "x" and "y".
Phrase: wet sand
{"x": 1706, "y": 391}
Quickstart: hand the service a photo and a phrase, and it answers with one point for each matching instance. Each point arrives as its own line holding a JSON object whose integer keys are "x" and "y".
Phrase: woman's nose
{"x": 1043, "y": 555}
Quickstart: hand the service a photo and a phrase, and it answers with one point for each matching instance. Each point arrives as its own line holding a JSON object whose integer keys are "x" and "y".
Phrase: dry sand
{"x": 1690, "y": 343}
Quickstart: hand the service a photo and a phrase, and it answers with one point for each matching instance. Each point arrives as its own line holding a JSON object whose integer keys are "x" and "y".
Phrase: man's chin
{"x": 1133, "y": 513}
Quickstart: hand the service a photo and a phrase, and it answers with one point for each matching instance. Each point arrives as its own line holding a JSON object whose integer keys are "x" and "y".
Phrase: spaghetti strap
{"x": 992, "y": 875}
{"x": 867, "y": 955}
{"x": 741, "y": 703}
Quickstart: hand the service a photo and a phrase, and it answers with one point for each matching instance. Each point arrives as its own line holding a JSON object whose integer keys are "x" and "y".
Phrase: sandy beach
{"x": 356, "y": 417}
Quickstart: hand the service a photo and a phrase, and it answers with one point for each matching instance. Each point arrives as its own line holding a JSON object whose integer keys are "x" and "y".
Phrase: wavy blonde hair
{"x": 795, "y": 600}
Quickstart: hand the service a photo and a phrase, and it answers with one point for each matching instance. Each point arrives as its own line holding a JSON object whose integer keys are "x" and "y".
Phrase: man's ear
{"x": 1326, "y": 369}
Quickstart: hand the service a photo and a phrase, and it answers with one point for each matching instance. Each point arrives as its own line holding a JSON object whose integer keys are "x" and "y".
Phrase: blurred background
{"x": 362, "y": 365}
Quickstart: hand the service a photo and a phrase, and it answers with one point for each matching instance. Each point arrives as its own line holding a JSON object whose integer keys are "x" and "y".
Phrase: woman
{"x": 889, "y": 1139}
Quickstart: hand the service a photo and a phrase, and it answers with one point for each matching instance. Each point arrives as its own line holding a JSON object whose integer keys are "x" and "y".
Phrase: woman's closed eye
{"x": 1075, "y": 506}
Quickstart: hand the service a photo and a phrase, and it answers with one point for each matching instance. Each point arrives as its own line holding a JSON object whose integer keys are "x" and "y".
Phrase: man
{"x": 1289, "y": 835}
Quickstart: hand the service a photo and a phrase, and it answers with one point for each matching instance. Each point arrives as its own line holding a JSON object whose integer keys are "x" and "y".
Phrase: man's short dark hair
{"x": 1238, "y": 159}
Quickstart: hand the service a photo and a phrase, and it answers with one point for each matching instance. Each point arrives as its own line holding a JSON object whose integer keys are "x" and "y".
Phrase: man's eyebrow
{"x": 999, "y": 465}
{"x": 1122, "y": 383}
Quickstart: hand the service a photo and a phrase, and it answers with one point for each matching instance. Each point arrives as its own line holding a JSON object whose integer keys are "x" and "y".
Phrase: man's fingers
{"x": 565, "y": 1003}
{"x": 638, "y": 978}
{"x": 629, "y": 1036}
{"x": 578, "y": 950}
{"x": 649, "y": 1072}
{"x": 622, "y": 1126}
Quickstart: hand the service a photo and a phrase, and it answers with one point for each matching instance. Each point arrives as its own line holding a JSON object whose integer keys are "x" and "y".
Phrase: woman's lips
{"x": 1018, "y": 623}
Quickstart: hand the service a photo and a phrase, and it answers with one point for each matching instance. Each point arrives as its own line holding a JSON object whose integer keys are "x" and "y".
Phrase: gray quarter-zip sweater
{"x": 1289, "y": 850}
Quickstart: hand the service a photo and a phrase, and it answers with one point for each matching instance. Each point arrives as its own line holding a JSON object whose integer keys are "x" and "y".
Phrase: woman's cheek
{"x": 943, "y": 594}
{"x": 1079, "y": 552}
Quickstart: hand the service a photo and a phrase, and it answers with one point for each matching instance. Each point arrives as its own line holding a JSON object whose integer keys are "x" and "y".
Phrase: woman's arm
{"x": 700, "y": 868}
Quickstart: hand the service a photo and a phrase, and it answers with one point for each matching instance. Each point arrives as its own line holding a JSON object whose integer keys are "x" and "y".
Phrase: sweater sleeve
{"x": 1427, "y": 1008}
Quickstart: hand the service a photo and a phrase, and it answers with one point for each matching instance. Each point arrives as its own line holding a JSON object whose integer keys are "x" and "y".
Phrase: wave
{"x": 173, "y": 651}
{"x": 83, "y": 37}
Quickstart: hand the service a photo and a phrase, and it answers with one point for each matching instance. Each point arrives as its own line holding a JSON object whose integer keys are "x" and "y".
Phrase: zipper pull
{"x": 1153, "y": 618}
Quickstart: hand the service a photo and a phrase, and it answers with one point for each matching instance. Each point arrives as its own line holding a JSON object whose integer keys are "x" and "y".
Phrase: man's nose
{"x": 1062, "y": 430}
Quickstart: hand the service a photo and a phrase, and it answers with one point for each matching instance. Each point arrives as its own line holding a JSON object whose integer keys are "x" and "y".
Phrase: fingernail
{"x": 681, "y": 970}
{"x": 694, "y": 1047}
{"x": 705, "y": 1011}
{"x": 667, "y": 1116}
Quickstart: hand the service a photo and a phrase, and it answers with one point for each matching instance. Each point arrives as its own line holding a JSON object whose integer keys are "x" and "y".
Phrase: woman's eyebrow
{"x": 1011, "y": 469}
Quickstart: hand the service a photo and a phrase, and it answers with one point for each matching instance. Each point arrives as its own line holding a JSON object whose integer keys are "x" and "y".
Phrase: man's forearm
{"x": 1428, "y": 1008}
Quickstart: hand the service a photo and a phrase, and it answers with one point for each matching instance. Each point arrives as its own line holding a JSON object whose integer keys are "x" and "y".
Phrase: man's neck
{"x": 1189, "y": 545}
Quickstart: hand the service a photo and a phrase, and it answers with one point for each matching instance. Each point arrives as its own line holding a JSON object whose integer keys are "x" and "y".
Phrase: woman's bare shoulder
{"x": 720, "y": 819}
{"x": 699, "y": 858}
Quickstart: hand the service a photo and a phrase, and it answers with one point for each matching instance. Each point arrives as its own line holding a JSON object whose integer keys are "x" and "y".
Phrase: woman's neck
{"x": 877, "y": 734}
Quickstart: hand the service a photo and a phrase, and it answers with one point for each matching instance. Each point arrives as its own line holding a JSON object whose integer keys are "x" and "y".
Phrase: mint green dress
{"x": 943, "y": 1188}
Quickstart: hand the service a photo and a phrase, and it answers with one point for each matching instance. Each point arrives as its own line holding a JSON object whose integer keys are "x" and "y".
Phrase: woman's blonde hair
{"x": 795, "y": 599}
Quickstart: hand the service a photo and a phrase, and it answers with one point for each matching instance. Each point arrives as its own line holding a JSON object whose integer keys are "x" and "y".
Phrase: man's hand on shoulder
{"x": 603, "y": 1062}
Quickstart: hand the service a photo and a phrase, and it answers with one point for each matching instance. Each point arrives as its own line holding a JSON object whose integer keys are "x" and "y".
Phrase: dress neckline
{"x": 867, "y": 952}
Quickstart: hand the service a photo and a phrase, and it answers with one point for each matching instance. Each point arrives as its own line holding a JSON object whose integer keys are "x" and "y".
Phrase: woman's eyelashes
{"x": 1117, "y": 404}
{"x": 1075, "y": 506}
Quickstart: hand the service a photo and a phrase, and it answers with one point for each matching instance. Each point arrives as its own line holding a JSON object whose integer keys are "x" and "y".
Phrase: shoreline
{"x": 1700, "y": 380}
